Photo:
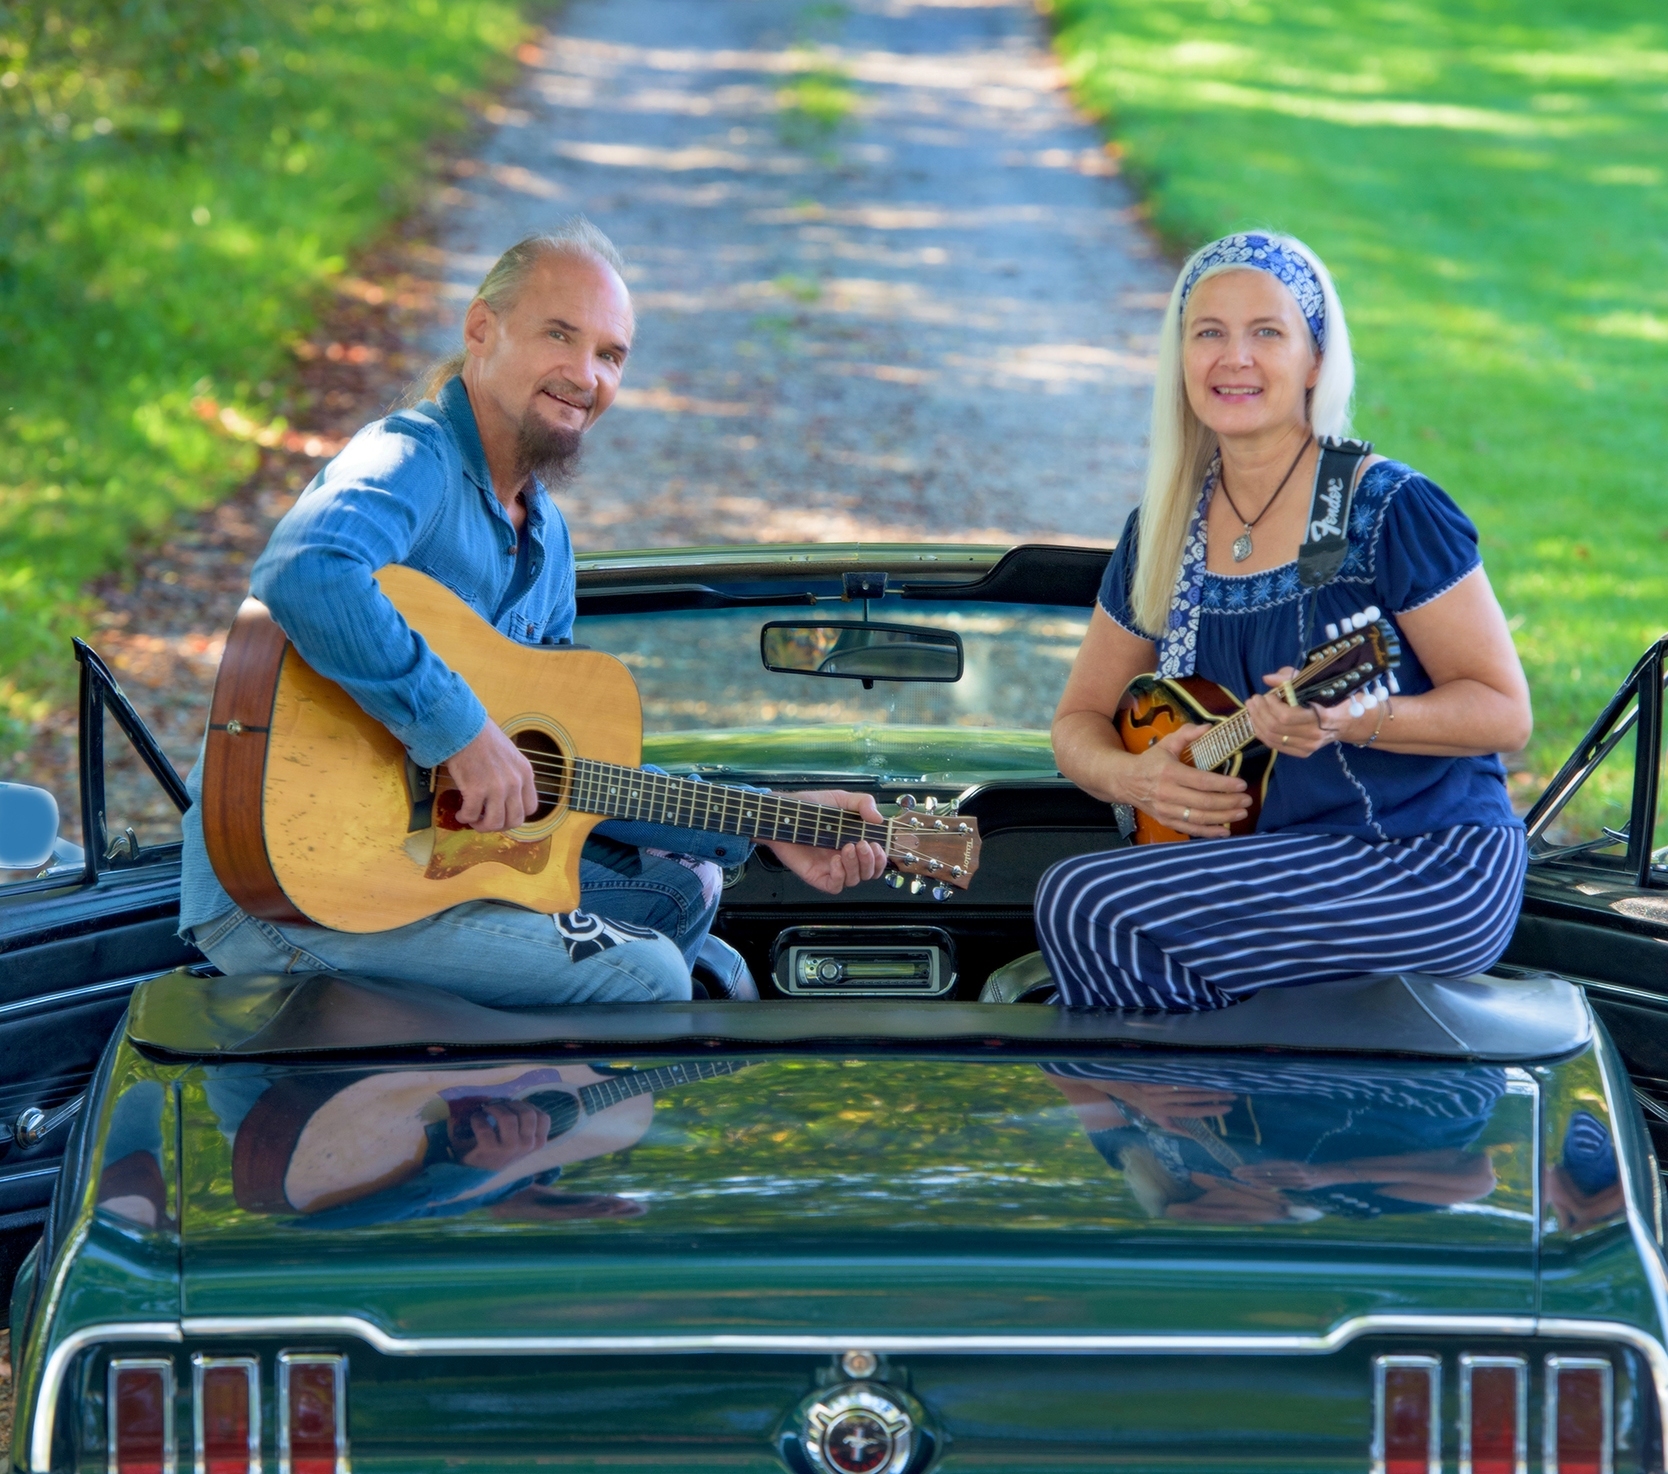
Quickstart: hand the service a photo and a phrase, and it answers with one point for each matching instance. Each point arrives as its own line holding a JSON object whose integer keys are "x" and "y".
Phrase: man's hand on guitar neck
{"x": 496, "y": 781}
{"x": 833, "y": 870}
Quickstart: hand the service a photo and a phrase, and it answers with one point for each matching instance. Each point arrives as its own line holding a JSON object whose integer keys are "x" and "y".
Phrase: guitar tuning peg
{"x": 1332, "y": 632}
{"x": 942, "y": 893}
{"x": 1372, "y": 612}
{"x": 917, "y": 885}
{"x": 906, "y": 800}
{"x": 931, "y": 805}
{"x": 895, "y": 879}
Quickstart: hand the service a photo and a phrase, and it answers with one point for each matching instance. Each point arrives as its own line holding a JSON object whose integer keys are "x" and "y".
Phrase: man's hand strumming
{"x": 496, "y": 781}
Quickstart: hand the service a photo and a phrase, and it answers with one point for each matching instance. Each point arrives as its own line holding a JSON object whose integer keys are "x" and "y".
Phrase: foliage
{"x": 183, "y": 178}
{"x": 1486, "y": 180}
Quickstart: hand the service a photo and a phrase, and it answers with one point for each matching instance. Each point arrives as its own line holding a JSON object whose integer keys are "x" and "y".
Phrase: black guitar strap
{"x": 1326, "y": 542}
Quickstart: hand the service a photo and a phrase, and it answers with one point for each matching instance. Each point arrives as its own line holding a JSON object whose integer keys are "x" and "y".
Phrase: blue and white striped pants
{"x": 1201, "y": 925}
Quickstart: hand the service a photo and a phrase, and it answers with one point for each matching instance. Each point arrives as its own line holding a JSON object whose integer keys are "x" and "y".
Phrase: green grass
{"x": 1488, "y": 179}
{"x": 183, "y": 178}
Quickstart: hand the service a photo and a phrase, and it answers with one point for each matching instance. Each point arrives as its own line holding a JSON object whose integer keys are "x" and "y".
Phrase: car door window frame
{"x": 101, "y": 693}
{"x": 1642, "y": 688}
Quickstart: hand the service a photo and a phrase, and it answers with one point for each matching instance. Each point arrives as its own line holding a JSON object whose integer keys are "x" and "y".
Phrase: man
{"x": 457, "y": 487}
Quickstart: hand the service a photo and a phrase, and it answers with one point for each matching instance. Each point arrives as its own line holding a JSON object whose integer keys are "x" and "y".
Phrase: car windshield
{"x": 700, "y": 672}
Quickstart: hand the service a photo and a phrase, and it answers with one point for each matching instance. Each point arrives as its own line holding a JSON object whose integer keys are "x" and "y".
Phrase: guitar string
{"x": 1232, "y": 733}
{"x": 660, "y": 797}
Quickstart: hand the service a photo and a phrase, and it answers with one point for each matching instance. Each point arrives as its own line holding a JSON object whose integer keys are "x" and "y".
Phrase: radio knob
{"x": 830, "y": 971}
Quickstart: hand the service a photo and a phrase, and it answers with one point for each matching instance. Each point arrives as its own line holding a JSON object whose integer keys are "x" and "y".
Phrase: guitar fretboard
{"x": 623, "y": 1087}
{"x": 657, "y": 798}
{"x": 1213, "y": 748}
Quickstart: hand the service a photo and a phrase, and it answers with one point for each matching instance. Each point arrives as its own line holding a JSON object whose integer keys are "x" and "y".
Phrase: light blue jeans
{"x": 631, "y": 945}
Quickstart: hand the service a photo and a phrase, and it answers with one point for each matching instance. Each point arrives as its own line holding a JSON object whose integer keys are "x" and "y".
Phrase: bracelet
{"x": 1379, "y": 728}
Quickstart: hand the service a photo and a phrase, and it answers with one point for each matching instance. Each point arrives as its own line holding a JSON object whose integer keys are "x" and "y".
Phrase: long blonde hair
{"x": 1181, "y": 447}
{"x": 499, "y": 288}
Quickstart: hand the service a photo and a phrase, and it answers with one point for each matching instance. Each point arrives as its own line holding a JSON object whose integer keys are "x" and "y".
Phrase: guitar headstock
{"x": 940, "y": 847}
{"x": 1358, "y": 659}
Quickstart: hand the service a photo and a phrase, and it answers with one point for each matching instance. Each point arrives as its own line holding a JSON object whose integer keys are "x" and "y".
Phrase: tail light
{"x": 1494, "y": 1415}
{"x": 226, "y": 1414}
{"x": 140, "y": 1410}
{"x": 1579, "y": 1412}
{"x": 312, "y": 1413}
{"x": 1407, "y": 1415}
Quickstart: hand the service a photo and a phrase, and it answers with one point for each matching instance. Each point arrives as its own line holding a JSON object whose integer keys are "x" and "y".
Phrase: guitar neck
{"x": 619, "y": 792}
{"x": 1213, "y": 748}
{"x": 623, "y": 1087}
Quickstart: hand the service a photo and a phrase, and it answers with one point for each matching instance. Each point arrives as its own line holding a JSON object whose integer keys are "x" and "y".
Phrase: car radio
{"x": 864, "y": 962}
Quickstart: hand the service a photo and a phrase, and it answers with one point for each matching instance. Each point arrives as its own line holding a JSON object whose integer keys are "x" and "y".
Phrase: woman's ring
{"x": 1186, "y": 815}
{"x": 1285, "y": 737}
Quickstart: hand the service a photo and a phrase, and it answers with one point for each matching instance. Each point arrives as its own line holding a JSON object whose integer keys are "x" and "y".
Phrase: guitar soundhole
{"x": 550, "y": 770}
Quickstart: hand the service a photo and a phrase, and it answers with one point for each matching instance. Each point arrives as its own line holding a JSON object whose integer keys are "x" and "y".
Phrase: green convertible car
{"x": 900, "y": 1214}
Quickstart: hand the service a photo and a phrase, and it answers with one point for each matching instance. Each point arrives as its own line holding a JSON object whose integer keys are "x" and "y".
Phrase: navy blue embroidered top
{"x": 1408, "y": 543}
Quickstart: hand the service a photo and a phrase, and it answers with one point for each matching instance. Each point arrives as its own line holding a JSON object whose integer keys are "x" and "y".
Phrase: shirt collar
{"x": 460, "y": 415}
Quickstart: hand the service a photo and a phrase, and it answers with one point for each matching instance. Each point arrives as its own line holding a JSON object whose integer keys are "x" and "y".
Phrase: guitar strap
{"x": 1326, "y": 542}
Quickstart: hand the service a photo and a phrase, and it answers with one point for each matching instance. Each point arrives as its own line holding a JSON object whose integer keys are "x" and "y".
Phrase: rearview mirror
{"x": 28, "y": 826}
{"x": 862, "y": 652}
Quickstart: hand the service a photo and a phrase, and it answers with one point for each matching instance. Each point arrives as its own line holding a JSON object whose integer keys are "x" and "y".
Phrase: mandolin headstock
{"x": 1358, "y": 659}
{"x": 936, "y": 846}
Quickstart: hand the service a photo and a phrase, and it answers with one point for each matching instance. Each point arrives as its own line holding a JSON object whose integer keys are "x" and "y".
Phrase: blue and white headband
{"x": 1265, "y": 253}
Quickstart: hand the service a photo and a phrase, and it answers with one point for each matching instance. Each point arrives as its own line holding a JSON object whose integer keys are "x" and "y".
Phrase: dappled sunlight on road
{"x": 926, "y": 309}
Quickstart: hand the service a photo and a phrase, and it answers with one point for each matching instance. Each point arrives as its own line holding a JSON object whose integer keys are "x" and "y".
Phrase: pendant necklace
{"x": 1242, "y": 543}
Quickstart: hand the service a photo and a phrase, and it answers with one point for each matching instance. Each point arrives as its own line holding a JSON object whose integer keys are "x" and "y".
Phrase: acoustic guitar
{"x": 1359, "y": 653}
{"x": 313, "y": 811}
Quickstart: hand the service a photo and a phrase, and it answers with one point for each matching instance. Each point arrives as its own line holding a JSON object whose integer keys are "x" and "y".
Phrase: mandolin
{"x": 313, "y": 811}
{"x": 1359, "y": 654}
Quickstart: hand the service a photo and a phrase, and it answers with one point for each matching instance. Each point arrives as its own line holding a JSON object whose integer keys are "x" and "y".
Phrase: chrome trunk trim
{"x": 360, "y": 1329}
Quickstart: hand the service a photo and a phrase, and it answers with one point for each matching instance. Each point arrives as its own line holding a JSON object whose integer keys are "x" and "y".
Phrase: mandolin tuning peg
{"x": 1395, "y": 688}
{"x": 1372, "y": 612}
{"x": 1368, "y": 699}
{"x": 1332, "y": 632}
{"x": 1356, "y": 709}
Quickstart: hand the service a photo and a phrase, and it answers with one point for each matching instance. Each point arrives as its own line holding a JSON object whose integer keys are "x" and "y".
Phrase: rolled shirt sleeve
{"x": 371, "y": 507}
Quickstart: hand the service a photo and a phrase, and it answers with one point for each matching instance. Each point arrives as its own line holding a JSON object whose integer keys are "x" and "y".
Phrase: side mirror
{"x": 28, "y": 826}
{"x": 862, "y": 652}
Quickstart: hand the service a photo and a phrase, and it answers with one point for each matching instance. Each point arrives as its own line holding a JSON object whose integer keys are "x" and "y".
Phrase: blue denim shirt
{"x": 414, "y": 489}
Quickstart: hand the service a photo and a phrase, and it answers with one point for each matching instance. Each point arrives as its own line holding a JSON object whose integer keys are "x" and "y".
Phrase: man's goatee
{"x": 549, "y": 452}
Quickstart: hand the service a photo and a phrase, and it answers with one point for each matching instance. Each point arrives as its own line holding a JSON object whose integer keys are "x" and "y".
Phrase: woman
{"x": 1386, "y": 841}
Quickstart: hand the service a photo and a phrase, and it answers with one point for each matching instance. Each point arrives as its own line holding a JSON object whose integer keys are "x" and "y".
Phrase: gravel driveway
{"x": 889, "y": 283}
